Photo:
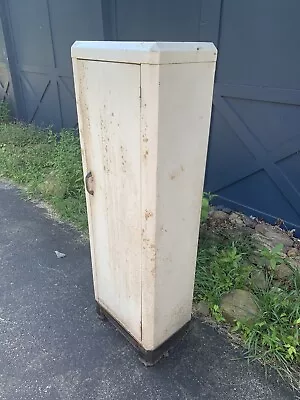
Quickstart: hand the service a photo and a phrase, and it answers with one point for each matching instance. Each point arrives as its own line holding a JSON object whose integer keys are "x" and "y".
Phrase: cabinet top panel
{"x": 145, "y": 52}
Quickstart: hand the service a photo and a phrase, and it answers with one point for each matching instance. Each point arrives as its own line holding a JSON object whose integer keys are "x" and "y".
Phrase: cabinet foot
{"x": 147, "y": 357}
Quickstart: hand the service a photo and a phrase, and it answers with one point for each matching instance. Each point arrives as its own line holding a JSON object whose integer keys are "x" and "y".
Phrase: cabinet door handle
{"x": 87, "y": 177}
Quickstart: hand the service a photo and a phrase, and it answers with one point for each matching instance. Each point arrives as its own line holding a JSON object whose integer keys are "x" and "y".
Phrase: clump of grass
{"x": 274, "y": 337}
{"x": 5, "y": 116}
{"x": 220, "y": 268}
{"x": 47, "y": 166}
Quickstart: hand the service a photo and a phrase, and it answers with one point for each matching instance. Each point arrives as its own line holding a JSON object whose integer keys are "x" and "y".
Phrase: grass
{"x": 223, "y": 264}
{"x": 220, "y": 266}
{"x": 5, "y": 116}
{"x": 48, "y": 167}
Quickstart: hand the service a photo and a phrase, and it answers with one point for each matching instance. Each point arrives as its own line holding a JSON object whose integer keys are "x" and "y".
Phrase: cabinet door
{"x": 108, "y": 103}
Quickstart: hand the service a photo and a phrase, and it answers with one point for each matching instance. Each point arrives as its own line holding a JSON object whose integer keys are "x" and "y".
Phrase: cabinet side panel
{"x": 185, "y": 97}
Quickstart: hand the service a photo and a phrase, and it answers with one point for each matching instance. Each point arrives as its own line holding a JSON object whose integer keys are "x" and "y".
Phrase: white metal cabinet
{"x": 144, "y": 114}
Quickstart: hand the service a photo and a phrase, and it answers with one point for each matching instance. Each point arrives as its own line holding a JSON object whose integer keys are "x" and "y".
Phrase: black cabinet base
{"x": 148, "y": 358}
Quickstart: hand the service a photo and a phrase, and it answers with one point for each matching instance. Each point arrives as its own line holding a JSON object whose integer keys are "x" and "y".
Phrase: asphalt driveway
{"x": 53, "y": 346}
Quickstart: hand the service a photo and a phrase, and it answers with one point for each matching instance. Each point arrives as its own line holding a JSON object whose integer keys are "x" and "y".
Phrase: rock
{"x": 274, "y": 235}
{"x": 262, "y": 242}
{"x": 295, "y": 262}
{"x": 292, "y": 252}
{"x": 259, "y": 280}
{"x": 283, "y": 271}
{"x": 261, "y": 228}
{"x": 236, "y": 219}
{"x": 239, "y": 305}
{"x": 254, "y": 259}
{"x": 219, "y": 215}
{"x": 258, "y": 260}
{"x": 201, "y": 308}
{"x": 250, "y": 223}
{"x": 279, "y": 237}
{"x": 246, "y": 230}
{"x": 297, "y": 243}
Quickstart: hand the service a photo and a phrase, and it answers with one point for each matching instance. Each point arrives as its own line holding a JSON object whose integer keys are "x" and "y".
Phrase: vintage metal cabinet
{"x": 144, "y": 115}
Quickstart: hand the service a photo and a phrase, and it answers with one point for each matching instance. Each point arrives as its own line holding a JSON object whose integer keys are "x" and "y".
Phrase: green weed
{"x": 273, "y": 257}
{"x": 219, "y": 270}
{"x": 206, "y": 199}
